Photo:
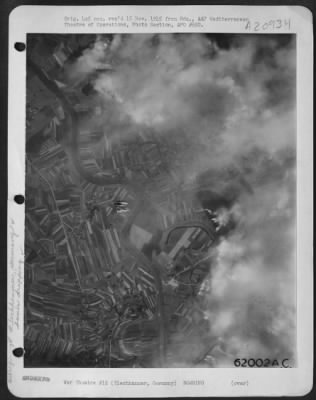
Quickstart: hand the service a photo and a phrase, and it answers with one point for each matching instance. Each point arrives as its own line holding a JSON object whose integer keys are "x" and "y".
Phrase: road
{"x": 160, "y": 315}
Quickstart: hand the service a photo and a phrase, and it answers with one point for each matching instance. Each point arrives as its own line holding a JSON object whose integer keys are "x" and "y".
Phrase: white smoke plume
{"x": 252, "y": 281}
{"x": 221, "y": 101}
{"x": 92, "y": 58}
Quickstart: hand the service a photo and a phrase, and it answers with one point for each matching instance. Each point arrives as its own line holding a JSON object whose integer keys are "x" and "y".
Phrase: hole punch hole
{"x": 18, "y": 352}
{"x": 19, "y": 199}
{"x": 19, "y": 46}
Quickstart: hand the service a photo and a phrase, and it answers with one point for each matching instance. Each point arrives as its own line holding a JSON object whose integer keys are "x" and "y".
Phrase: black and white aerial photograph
{"x": 160, "y": 201}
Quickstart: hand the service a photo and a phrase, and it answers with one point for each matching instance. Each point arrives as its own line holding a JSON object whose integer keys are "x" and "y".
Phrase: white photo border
{"x": 262, "y": 382}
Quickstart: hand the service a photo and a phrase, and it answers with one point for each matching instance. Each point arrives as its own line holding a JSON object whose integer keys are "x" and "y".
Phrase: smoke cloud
{"x": 252, "y": 283}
